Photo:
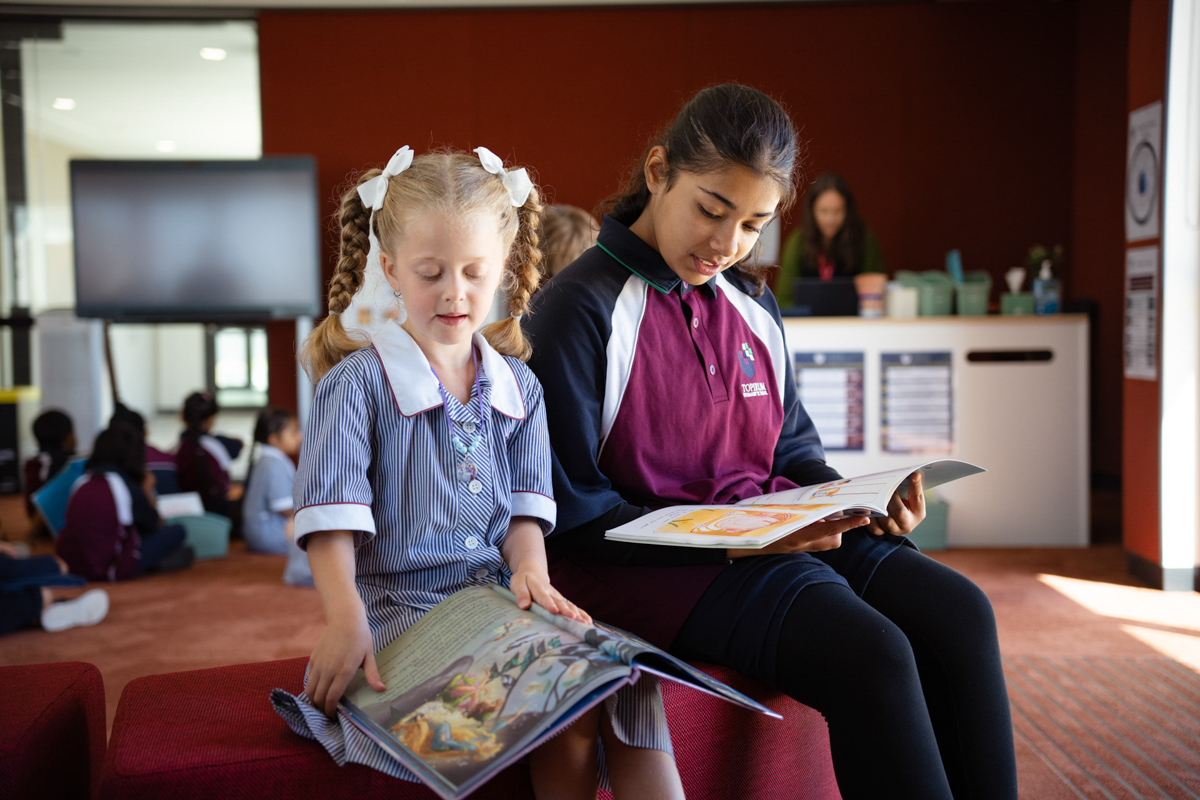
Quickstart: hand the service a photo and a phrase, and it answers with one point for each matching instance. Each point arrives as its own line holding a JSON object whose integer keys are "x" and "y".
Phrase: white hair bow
{"x": 373, "y": 191}
{"x": 516, "y": 182}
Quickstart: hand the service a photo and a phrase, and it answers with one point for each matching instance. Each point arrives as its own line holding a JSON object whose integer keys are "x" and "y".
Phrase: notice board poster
{"x": 831, "y": 391}
{"x": 1143, "y": 173}
{"x": 1141, "y": 313}
{"x": 917, "y": 402}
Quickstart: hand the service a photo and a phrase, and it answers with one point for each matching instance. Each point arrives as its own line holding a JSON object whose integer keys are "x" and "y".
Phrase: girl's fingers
{"x": 371, "y": 672}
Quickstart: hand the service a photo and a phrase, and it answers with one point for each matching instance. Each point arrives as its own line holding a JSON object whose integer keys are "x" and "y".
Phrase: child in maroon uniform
{"x": 203, "y": 460}
{"x": 113, "y": 532}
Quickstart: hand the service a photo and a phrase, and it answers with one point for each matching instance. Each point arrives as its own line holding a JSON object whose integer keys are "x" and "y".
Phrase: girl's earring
{"x": 401, "y": 312}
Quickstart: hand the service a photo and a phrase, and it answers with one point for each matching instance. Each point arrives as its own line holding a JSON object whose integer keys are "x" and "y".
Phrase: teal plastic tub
{"x": 935, "y": 296}
{"x": 973, "y": 294}
{"x": 208, "y": 535}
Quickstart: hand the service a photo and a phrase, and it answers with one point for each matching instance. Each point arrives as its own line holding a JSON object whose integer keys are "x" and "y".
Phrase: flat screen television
{"x": 196, "y": 241}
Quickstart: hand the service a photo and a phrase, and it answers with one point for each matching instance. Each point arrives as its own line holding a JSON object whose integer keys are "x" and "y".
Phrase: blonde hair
{"x": 566, "y": 232}
{"x": 453, "y": 183}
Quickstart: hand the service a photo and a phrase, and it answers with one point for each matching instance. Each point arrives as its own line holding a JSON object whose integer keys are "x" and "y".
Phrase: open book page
{"x": 722, "y": 526}
{"x": 868, "y": 495}
{"x": 473, "y": 685}
{"x": 631, "y": 649}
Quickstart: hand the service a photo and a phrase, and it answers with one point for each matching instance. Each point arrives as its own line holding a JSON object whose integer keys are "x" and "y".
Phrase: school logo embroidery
{"x": 746, "y": 359}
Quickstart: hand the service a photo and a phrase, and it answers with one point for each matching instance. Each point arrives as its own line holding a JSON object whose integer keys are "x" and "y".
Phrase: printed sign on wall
{"x": 831, "y": 391}
{"x": 917, "y": 403}
{"x": 1141, "y": 313}
{"x": 1143, "y": 174}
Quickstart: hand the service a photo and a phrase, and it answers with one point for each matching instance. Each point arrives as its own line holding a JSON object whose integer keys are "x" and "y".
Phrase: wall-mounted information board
{"x": 831, "y": 391}
{"x": 916, "y": 403}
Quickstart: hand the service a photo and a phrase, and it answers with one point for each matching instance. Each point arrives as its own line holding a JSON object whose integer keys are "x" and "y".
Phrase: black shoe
{"x": 181, "y": 557}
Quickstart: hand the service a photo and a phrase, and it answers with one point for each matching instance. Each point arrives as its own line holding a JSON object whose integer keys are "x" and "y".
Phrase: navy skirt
{"x": 738, "y": 619}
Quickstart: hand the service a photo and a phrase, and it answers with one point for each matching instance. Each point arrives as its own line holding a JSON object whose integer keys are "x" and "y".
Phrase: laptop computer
{"x": 813, "y": 297}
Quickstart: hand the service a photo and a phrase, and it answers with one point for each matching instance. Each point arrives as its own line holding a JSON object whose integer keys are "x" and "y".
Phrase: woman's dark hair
{"x": 127, "y": 416}
{"x": 846, "y": 249}
{"x": 122, "y": 446}
{"x": 51, "y": 429}
{"x": 722, "y": 126}
{"x": 198, "y": 407}
{"x": 271, "y": 421}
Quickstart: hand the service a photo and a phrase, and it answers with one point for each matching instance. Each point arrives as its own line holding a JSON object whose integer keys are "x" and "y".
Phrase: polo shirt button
{"x": 481, "y": 573}
{"x": 712, "y": 369}
{"x": 475, "y": 487}
{"x": 470, "y": 543}
{"x": 469, "y": 426}
{"x": 695, "y": 322}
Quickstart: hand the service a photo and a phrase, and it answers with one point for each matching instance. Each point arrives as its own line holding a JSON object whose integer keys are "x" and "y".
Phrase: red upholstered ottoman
{"x": 212, "y": 733}
{"x": 52, "y": 735}
{"x": 727, "y": 752}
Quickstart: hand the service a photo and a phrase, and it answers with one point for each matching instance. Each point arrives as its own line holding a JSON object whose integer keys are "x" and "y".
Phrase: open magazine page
{"x": 869, "y": 494}
{"x": 632, "y": 649}
{"x": 472, "y": 685}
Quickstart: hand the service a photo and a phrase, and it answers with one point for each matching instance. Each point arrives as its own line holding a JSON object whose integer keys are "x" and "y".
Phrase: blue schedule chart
{"x": 916, "y": 403}
{"x": 831, "y": 391}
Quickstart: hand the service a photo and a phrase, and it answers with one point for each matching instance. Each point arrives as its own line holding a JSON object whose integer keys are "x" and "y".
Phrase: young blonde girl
{"x": 426, "y": 462}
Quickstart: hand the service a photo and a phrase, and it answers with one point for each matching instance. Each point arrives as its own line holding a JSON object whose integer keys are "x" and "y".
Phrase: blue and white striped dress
{"x": 378, "y": 460}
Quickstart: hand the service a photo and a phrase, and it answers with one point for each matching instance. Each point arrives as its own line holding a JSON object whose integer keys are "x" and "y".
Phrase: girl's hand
{"x": 531, "y": 587}
{"x": 344, "y": 646}
{"x": 904, "y": 514}
{"x": 824, "y": 535}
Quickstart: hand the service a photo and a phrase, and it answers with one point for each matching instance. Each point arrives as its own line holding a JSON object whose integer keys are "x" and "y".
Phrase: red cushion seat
{"x": 213, "y": 733}
{"x": 52, "y": 737}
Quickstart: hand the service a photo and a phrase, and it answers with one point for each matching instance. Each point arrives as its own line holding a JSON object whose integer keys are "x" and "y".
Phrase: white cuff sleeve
{"x": 533, "y": 504}
{"x": 353, "y": 517}
{"x": 281, "y": 504}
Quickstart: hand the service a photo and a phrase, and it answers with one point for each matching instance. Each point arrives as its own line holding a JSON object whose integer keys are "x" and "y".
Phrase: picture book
{"x": 758, "y": 521}
{"x": 477, "y": 683}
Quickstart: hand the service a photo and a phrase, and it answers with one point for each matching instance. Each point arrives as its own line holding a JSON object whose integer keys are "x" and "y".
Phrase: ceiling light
{"x": 165, "y": 146}
{"x": 64, "y": 103}
{"x": 212, "y": 54}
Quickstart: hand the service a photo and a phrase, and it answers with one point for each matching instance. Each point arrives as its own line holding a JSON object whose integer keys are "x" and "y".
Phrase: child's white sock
{"x": 87, "y": 609}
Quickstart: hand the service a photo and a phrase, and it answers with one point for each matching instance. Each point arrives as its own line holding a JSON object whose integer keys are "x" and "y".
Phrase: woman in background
{"x": 831, "y": 242}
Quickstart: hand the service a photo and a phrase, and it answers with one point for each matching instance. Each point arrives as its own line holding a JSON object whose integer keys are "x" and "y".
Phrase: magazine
{"x": 758, "y": 521}
{"x": 477, "y": 683}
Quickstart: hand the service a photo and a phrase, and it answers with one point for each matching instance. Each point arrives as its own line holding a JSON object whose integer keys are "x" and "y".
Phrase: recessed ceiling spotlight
{"x": 64, "y": 103}
{"x": 165, "y": 146}
{"x": 212, "y": 54}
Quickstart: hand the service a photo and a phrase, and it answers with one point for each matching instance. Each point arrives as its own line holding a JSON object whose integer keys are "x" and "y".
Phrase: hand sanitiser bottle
{"x": 1045, "y": 291}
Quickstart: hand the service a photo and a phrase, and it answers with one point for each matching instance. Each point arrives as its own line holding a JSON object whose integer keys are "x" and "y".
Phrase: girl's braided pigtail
{"x": 329, "y": 342}
{"x": 523, "y": 278}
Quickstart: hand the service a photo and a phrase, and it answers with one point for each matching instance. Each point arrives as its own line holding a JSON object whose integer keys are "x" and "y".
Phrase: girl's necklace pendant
{"x": 465, "y": 471}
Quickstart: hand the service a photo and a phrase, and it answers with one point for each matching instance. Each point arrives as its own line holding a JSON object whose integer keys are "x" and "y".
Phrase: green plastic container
{"x": 973, "y": 294}
{"x": 1016, "y": 304}
{"x": 930, "y": 535}
{"x": 208, "y": 535}
{"x": 935, "y": 293}
{"x": 906, "y": 277}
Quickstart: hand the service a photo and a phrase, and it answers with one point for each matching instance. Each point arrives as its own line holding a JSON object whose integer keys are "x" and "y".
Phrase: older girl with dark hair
{"x": 832, "y": 240}
{"x": 667, "y": 382}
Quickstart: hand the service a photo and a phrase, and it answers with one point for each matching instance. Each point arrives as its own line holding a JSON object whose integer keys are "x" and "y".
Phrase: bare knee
{"x": 566, "y": 767}
{"x": 637, "y": 772}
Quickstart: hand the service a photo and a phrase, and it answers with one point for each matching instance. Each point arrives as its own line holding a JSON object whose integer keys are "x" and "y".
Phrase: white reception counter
{"x": 1007, "y": 393}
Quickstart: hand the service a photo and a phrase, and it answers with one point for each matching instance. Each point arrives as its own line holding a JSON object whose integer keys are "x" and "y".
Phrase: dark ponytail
{"x": 722, "y": 126}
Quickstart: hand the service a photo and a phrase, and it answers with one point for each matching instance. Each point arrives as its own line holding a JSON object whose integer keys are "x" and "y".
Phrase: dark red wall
{"x": 1149, "y": 33}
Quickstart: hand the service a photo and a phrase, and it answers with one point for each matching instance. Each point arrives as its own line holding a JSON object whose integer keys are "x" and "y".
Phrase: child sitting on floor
{"x": 35, "y": 591}
{"x": 203, "y": 460}
{"x": 55, "y": 434}
{"x": 113, "y": 532}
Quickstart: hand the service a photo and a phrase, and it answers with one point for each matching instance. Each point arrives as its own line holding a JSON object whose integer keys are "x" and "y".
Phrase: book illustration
{"x": 736, "y": 521}
{"x": 514, "y": 676}
{"x": 829, "y": 489}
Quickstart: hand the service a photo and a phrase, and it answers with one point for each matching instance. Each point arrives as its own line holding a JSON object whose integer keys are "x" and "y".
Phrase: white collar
{"x": 271, "y": 450}
{"x": 415, "y": 387}
{"x": 217, "y": 450}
